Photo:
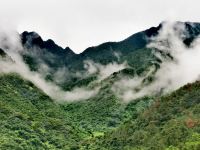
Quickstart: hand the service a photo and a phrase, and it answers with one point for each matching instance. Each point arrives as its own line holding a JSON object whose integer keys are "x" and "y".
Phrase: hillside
{"x": 171, "y": 122}
{"x": 132, "y": 108}
{"x": 42, "y": 55}
{"x": 103, "y": 53}
{"x": 31, "y": 120}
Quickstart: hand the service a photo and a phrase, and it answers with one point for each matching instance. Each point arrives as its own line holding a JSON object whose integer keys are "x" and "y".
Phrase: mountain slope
{"x": 44, "y": 52}
{"x": 31, "y": 120}
{"x": 42, "y": 55}
{"x": 105, "y": 53}
{"x": 172, "y": 121}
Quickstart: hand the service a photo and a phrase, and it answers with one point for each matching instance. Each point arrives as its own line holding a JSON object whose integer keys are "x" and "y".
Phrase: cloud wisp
{"x": 103, "y": 71}
{"x": 173, "y": 73}
{"x": 10, "y": 42}
{"x": 180, "y": 68}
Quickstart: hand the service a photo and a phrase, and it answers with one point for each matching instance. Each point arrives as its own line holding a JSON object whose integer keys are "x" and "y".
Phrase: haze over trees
{"x": 138, "y": 93}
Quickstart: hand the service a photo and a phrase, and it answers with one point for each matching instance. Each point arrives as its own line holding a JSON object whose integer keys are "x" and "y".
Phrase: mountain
{"x": 104, "y": 53}
{"x": 171, "y": 122}
{"x": 32, "y": 39}
{"x": 51, "y": 59}
{"x": 39, "y": 51}
{"x": 33, "y": 120}
{"x": 2, "y": 53}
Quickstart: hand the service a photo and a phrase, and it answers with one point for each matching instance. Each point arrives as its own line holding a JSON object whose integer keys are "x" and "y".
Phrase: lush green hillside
{"x": 171, "y": 122}
{"x": 31, "y": 120}
{"x": 103, "y": 112}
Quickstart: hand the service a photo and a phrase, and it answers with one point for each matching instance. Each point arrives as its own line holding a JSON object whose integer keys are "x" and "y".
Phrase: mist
{"x": 10, "y": 43}
{"x": 173, "y": 73}
{"x": 180, "y": 68}
{"x": 103, "y": 71}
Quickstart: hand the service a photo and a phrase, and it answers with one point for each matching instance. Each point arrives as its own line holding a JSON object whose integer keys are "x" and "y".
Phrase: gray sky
{"x": 83, "y": 23}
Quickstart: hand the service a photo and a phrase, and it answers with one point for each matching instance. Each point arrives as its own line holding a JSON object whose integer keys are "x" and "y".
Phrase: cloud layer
{"x": 103, "y": 71}
{"x": 10, "y": 42}
{"x": 173, "y": 73}
{"x": 180, "y": 68}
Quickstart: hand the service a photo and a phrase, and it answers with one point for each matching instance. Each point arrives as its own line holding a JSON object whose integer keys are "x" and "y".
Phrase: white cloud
{"x": 103, "y": 71}
{"x": 183, "y": 69}
{"x": 9, "y": 41}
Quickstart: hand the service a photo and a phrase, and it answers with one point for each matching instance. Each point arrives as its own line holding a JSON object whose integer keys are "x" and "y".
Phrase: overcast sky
{"x": 83, "y": 23}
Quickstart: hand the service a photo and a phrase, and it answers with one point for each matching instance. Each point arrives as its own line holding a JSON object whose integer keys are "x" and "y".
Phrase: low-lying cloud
{"x": 10, "y": 42}
{"x": 103, "y": 71}
{"x": 181, "y": 68}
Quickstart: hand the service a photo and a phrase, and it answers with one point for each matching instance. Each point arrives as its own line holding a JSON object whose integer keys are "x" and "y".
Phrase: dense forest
{"x": 132, "y": 106}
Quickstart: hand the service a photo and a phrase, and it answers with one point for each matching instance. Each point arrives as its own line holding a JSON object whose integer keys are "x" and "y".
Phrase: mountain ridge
{"x": 104, "y": 53}
{"x": 33, "y": 120}
{"x": 192, "y": 27}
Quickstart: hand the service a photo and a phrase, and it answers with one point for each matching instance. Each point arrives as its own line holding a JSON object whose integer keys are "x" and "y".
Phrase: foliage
{"x": 171, "y": 122}
{"x": 31, "y": 120}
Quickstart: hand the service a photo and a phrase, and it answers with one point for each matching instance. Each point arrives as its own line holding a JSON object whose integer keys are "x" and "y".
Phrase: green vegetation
{"x": 29, "y": 119}
{"x": 171, "y": 122}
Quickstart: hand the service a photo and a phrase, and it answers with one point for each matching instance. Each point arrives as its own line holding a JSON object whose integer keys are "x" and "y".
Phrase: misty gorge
{"x": 138, "y": 93}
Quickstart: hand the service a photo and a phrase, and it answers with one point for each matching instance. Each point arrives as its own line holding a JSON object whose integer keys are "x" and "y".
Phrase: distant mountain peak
{"x": 33, "y": 39}
{"x": 30, "y": 38}
{"x": 103, "y": 53}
